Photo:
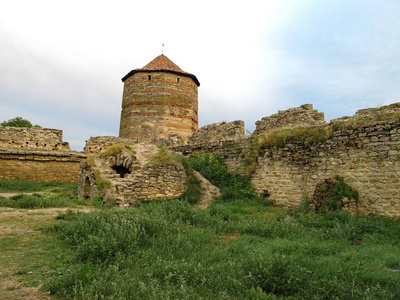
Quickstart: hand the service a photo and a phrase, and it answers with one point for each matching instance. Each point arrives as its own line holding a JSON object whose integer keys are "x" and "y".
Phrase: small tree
{"x": 18, "y": 122}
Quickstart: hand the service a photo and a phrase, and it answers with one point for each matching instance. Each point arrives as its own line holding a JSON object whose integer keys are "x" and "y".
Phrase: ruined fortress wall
{"x": 158, "y": 104}
{"x": 218, "y": 132}
{"x": 133, "y": 174}
{"x": 237, "y": 153}
{"x": 34, "y": 138}
{"x": 40, "y": 165}
{"x": 304, "y": 115}
{"x": 367, "y": 156}
{"x": 100, "y": 143}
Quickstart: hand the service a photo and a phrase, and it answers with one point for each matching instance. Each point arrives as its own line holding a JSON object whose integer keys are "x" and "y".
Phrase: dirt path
{"x": 209, "y": 192}
{"x": 23, "y": 251}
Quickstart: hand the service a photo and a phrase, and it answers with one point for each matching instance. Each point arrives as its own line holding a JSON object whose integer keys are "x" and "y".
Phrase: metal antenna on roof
{"x": 162, "y": 51}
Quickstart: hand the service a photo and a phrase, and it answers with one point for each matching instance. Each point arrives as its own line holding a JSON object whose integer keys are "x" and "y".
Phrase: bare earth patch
{"x": 209, "y": 192}
{"x": 21, "y": 244}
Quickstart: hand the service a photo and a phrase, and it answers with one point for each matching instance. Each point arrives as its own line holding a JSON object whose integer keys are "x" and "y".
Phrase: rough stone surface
{"x": 366, "y": 154}
{"x": 218, "y": 132}
{"x": 100, "y": 143}
{"x": 304, "y": 115}
{"x": 40, "y": 165}
{"x": 369, "y": 115}
{"x": 159, "y": 103}
{"x": 34, "y": 138}
{"x": 146, "y": 179}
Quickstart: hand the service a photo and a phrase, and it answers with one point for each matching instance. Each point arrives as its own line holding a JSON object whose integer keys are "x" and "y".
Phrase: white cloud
{"x": 61, "y": 61}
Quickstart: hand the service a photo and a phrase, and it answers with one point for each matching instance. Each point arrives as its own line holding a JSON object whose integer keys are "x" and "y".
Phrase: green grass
{"x": 42, "y": 201}
{"x": 25, "y": 186}
{"x": 239, "y": 248}
{"x": 44, "y": 195}
{"x": 171, "y": 250}
{"x": 117, "y": 148}
{"x": 232, "y": 185}
{"x": 304, "y": 136}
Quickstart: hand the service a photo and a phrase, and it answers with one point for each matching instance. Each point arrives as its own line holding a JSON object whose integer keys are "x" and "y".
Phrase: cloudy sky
{"x": 61, "y": 62}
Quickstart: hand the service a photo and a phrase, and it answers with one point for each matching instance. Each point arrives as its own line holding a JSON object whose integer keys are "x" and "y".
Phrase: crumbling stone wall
{"x": 100, "y": 143}
{"x": 369, "y": 115}
{"x": 34, "y": 138}
{"x": 238, "y": 153}
{"x": 130, "y": 175}
{"x": 218, "y": 132}
{"x": 304, "y": 115}
{"x": 40, "y": 165}
{"x": 365, "y": 154}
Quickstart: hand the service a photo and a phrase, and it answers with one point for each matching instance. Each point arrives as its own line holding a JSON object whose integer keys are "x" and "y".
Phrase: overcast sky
{"x": 61, "y": 62}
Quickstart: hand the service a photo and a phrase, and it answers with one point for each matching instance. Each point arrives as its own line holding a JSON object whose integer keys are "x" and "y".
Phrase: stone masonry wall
{"x": 158, "y": 104}
{"x": 367, "y": 155}
{"x": 34, "y": 138}
{"x": 40, "y": 165}
{"x": 304, "y": 115}
{"x": 218, "y": 132}
{"x": 369, "y": 115}
{"x": 142, "y": 177}
{"x": 237, "y": 153}
{"x": 100, "y": 143}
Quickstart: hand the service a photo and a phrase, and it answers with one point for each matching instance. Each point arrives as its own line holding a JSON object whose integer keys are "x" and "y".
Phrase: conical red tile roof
{"x": 162, "y": 63}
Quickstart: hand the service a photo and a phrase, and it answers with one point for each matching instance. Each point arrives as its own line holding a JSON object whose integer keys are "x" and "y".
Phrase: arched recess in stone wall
{"x": 86, "y": 188}
{"x": 122, "y": 171}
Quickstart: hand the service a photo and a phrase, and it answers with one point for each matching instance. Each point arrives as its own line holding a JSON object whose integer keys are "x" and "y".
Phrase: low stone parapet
{"x": 40, "y": 165}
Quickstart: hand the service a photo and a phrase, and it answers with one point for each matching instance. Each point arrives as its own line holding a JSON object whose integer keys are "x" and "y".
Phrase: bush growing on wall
{"x": 331, "y": 194}
{"x": 233, "y": 186}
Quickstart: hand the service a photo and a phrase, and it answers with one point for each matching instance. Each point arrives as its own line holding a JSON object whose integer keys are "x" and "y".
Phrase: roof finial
{"x": 162, "y": 50}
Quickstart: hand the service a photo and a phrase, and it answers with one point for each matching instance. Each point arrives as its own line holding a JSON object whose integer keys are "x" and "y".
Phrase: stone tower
{"x": 159, "y": 100}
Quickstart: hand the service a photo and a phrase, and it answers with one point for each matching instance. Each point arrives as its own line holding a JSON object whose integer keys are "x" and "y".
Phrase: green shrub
{"x": 193, "y": 190}
{"x": 330, "y": 193}
{"x": 115, "y": 149}
{"x": 101, "y": 183}
{"x": 169, "y": 249}
{"x": 232, "y": 185}
{"x": 304, "y": 136}
{"x": 18, "y": 122}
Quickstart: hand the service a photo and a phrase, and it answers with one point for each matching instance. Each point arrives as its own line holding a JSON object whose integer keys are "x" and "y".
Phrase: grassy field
{"x": 241, "y": 247}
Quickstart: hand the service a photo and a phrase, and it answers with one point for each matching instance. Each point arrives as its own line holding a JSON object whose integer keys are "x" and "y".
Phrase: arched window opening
{"x": 122, "y": 171}
{"x": 86, "y": 188}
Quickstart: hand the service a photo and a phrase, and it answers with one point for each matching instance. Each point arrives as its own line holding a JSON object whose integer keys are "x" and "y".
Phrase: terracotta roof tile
{"x": 162, "y": 63}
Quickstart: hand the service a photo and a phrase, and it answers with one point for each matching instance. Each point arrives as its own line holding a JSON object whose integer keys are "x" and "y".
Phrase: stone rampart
{"x": 34, "y": 138}
{"x": 366, "y": 155}
{"x": 218, "y": 132}
{"x": 369, "y": 115}
{"x": 100, "y": 143}
{"x": 304, "y": 115}
{"x": 40, "y": 165}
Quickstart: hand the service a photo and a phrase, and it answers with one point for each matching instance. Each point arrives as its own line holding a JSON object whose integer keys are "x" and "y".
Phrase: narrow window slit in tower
{"x": 177, "y": 79}
{"x": 149, "y": 77}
